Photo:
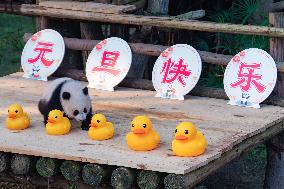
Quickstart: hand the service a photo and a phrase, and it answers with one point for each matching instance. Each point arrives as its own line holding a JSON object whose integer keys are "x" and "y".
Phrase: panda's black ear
{"x": 85, "y": 91}
{"x": 66, "y": 95}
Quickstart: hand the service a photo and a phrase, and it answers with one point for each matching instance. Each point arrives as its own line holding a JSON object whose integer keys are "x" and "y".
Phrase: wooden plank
{"x": 149, "y": 49}
{"x": 193, "y": 178}
{"x": 122, "y": 2}
{"x": 130, "y": 19}
{"x": 224, "y": 127}
{"x": 88, "y": 7}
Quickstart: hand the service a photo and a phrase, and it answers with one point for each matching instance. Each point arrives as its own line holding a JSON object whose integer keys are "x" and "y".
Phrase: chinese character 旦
{"x": 246, "y": 77}
{"x": 173, "y": 71}
{"x": 42, "y": 48}
{"x": 108, "y": 62}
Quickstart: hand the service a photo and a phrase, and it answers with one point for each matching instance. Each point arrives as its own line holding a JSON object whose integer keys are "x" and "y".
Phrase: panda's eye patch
{"x": 76, "y": 112}
{"x": 176, "y": 131}
{"x": 16, "y": 111}
{"x": 186, "y": 132}
{"x": 144, "y": 125}
{"x": 98, "y": 121}
{"x": 132, "y": 125}
{"x": 85, "y": 110}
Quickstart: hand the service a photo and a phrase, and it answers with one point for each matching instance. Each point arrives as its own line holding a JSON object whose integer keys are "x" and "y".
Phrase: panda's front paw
{"x": 85, "y": 127}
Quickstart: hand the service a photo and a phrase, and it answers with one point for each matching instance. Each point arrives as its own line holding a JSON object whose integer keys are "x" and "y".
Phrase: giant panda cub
{"x": 69, "y": 96}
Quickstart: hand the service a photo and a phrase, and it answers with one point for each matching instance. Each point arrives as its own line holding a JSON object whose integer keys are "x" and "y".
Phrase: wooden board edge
{"x": 194, "y": 177}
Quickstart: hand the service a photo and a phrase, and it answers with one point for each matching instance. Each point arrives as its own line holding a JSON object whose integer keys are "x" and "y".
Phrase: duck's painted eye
{"x": 55, "y": 117}
{"x": 132, "y": 125}
{"x": 8, "y": 111}
{"x": 186, "y": 132}
{"x": 98, "y": 121}
{"x": 144, "y": 125}
{"x": 16, "y": 111}
{"x": 76, "y": 112}
{"x": 176, "y": 131}
{"x": 85, "y": 110}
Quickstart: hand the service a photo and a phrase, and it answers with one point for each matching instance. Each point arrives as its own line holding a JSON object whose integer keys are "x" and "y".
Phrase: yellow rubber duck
{"x": 100, "y": 129}
{"x": 142, "y": 136}
{"x": 57, "y": 124}
{"x": 17, "y": 119}
{"x": 188, "y": 142}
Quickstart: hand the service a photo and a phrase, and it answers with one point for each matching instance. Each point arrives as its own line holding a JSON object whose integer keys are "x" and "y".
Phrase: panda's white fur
{"x": 69, "y": 96}
{"x": 78, "y": 101}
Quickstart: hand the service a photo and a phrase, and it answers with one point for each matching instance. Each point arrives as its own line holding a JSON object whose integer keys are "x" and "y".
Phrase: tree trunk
{"x": 22, "y": 164}
{"x": 275, "y": 147}
{"x": 71, "y": 170}
{"x": 94, "y": 174}
{"x": 47, "y": 167}
{"x": 123, "y": 178}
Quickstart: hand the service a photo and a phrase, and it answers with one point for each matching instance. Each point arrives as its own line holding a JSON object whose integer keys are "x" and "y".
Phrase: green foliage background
{"x": 12, "y": 29}
{"x": 241, "y": 12}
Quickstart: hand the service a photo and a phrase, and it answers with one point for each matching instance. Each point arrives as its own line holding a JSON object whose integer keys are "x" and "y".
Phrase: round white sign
{"x": 250, "y": 77}
{"x": 42, "y": 54}
{"x": 176, "y": 71}
{"x": 108, "y": 63}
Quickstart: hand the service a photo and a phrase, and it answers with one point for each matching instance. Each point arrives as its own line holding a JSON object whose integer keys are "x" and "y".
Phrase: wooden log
{"x": 41, "y": 21}
{"x": 166, "y": 22}
{"x": 5, "y": 160}
{"x": 148, "y": 85}
{"x": 275, "y": 147}
{"x": 89, "y": 6}
{"x": 141, "y": 48}
{"x": 94, "y": 174}
{"x": 47, "y": 167}
{"x": 149, "y": 179}
{"x": 122, "y": 2}
{"x": 122, "y": 178}
{"x": 174, "y": 181}
{"x": 144, "y": 84}
{"x": 149, "y": 49}
{"x": 40, "y": 182}
{"x": 22, "y": 164}
{"x": 191, "y": 15}
{"x": 71, "y": 170}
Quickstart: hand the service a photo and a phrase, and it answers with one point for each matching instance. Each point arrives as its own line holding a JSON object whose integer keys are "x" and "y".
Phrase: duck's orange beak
{"x": 51, "y": 120}
{"x": 139, "y": 131}
{"x": 93, "y": 125}
{"x": 181, "y": 137}
{"x": 12, "y": 116}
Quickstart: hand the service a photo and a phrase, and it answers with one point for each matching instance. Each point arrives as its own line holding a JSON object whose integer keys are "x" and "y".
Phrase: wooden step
{"x": 228, "y": 129}
{"x": 88, "y": 7}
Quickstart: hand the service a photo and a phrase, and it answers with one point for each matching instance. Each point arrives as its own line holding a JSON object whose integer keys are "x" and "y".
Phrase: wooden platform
{"x": 225, "y": 127}
{"x": 88, "y": 7}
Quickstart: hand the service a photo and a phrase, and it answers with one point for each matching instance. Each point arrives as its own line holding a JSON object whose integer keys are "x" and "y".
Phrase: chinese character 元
{"x": 42, "y": 48}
